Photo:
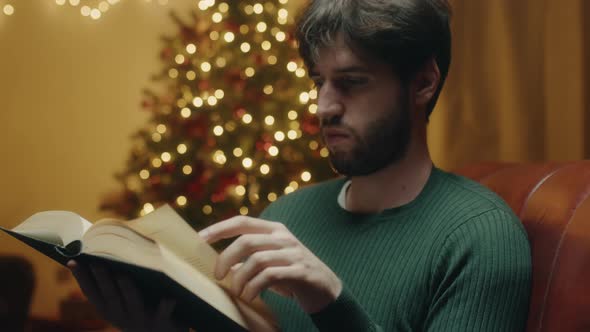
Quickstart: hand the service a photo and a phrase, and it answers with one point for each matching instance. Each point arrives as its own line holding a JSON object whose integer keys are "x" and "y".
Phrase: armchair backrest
{"x": 552, "y": 200}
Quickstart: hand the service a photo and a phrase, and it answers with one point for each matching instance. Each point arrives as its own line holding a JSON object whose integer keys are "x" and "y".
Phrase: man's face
{"x": 363, "y": 109}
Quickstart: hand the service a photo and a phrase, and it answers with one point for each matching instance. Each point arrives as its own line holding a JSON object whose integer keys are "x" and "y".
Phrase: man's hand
{"x": 119, "y": 301}
{"x": 267, "y": 255}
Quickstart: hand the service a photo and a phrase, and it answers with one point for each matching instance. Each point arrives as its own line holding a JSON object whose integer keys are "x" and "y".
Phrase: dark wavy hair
{"x": 403, "y": 33}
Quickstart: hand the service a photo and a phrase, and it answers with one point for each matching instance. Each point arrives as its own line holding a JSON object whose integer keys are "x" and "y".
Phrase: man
{"x": 397, "y": 244}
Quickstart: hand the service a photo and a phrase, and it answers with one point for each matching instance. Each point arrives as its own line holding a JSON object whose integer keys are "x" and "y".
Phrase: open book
{"x": 161, "y": 252}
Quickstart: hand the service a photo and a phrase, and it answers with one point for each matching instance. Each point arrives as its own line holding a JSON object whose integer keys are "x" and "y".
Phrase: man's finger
{"x": 269, "y": 277}
{"x": 282, "y": 292}
{"x": 241, "y": 248}
{"x": 236, "y": 226}
{"x": 258, "y": 262}
{"x": 236, "y": 267}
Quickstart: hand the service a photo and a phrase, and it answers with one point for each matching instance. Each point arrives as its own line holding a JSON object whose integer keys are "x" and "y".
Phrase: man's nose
{"x": 329, "y": 103}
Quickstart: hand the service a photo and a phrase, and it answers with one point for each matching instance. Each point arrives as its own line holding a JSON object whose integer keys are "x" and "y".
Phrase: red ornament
{"x": 205, "y": 175}
{"x": 155, "y": 183}
{"x": 253, "y": 96}
{"x": 258, "y": 59}
{"x": 232, "y": 75}
{"x": 239, "y": 86}
{"x": 232, "y": 26}
{"x": 155, "y": 180}
{"x": 166, "y": 53}
{"x": 310, "y": 125}
{"x": 291, "y": 37}
{"x": 169, "y": 168}
{"x": 187, "y": 34}
{"x": 146, "y": 104}
{"x": 195, "y": 190}
{"x": 266, "y": 137}
{"x": 224, "y": 181}
{"x": 218, "y": 198}
{"x": 204, "y": 85}
{"x": 228, "y": 180}
{"x": 197, "y": 127}
{"x": 211, "y": 142}
{"x": 239, "y": 112}
{"x": 228, "y": 215}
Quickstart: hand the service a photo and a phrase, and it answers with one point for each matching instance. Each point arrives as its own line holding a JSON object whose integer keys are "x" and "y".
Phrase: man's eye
{"x": 349, "y": 83}
{"x": 354, "y": 81}
{"x": 317, "y": 84}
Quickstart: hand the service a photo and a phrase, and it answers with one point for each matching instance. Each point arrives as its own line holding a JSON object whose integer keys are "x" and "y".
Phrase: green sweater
{"x": 454, "y": 259}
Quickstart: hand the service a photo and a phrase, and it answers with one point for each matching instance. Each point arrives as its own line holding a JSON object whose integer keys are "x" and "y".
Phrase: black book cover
{"x": 153, "y": 285}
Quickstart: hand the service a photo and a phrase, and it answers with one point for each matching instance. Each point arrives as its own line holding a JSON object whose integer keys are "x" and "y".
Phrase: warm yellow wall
{"x": 70, "y": 90}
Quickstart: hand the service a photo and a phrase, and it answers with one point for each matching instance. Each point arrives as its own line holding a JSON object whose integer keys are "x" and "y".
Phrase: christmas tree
{"x": 234, "y": 128}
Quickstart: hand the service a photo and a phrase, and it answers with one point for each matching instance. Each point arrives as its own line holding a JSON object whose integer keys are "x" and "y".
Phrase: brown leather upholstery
{"x": 552, "y": 200}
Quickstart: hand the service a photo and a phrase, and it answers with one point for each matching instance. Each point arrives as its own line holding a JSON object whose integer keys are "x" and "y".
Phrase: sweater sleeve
{"x": 344, "y": 314}
{"x": 482, "y": 278}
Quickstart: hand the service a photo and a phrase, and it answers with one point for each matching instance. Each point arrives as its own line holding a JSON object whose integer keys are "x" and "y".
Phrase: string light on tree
{"x": 8, "y": 10}
{"x": 306, "y": 176}
{"x": 94, "y": 9}
{"x": 187, "y": 170}
{"x": 313, "y": 108}
{"x": 240, "y": 190}
{"x": 181, "y": 201}
{"x": 182, "y": 148}
{"x": 144, "y": 174}
{"x": 247, "y": 118}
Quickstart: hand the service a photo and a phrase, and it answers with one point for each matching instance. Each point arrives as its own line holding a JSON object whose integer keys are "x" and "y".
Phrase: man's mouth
{"x": 333, "y": 136}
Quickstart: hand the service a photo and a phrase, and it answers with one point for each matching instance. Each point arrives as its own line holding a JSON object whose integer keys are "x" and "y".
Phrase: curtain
{"x": 517, "y": 85}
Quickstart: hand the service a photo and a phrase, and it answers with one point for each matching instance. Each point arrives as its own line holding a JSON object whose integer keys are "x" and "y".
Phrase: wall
{"x": 70, "y": 91}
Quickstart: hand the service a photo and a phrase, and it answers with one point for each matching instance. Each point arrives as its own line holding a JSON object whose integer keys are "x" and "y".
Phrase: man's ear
{"x": 426, "y": 83}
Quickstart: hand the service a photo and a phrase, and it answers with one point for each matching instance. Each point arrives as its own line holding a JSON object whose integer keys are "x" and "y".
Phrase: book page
{"x": 167, "y": 228}
{"x": 200, "y": 285}
{"x": 56, "y": 227}
{"x": 114, "y": 240}
{"x": 180, "y": 245}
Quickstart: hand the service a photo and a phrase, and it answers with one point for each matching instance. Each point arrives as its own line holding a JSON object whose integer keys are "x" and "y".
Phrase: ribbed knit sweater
{"x": 456, "y": 258}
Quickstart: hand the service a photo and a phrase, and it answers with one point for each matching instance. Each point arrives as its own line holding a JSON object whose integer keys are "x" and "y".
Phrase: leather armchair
{"x": 552, "y": 200}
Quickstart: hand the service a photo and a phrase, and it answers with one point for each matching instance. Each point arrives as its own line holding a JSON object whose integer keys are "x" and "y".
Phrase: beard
{"x": 385, "y": 142}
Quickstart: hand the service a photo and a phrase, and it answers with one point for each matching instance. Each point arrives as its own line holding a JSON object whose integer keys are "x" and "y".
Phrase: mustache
{"x": 333, "y": 121}
{"x": 336, "y": 123}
